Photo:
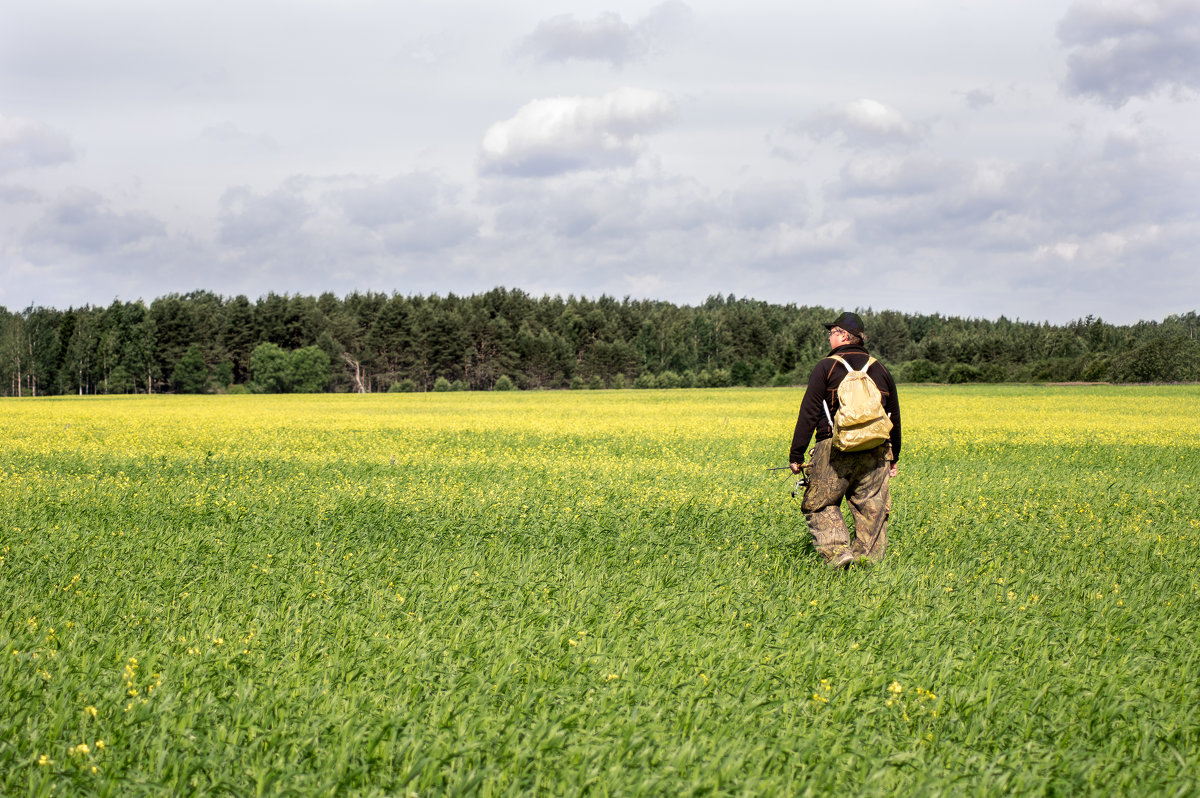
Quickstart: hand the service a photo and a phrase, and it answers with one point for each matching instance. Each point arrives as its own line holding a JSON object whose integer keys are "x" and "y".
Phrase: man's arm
{"x": 810, "y": 415}
{"x": 892, "y": 407}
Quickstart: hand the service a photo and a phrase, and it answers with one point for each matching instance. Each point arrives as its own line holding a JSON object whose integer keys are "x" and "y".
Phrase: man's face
{"x": 837, "y": 337}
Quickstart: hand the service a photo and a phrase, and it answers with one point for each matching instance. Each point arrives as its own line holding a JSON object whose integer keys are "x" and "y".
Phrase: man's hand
{"x": 892, "y": 470}
{"x": 795, "y": 468}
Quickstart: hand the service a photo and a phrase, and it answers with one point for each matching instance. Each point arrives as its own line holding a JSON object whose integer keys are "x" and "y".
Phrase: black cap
{"x": 850, "y": 322}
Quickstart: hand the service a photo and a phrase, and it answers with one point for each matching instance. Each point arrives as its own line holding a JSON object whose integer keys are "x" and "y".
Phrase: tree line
{"x": 505, "y": 338}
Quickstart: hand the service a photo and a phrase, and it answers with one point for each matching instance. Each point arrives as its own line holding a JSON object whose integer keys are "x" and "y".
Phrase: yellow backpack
{"x": 860, "y": 422}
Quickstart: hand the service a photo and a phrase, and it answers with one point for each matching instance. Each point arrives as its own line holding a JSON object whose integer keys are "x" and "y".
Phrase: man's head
{"x": 847, "y": 329}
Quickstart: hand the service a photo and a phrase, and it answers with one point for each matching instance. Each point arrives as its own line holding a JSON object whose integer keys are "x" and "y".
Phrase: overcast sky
{"x": 1028, "y": 158}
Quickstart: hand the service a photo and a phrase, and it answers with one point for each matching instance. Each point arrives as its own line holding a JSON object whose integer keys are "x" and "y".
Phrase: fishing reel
{"x": 801, "y": 483}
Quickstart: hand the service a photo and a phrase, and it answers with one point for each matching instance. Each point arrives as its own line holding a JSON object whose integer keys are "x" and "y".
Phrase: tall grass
{"x": 593, "y": 593}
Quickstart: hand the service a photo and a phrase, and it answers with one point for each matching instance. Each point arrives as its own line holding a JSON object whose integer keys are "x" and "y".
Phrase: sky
{"x": 1031, "y": 159}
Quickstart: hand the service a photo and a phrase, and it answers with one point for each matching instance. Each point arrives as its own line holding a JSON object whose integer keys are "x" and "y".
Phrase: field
{"x": 593, "y": 592}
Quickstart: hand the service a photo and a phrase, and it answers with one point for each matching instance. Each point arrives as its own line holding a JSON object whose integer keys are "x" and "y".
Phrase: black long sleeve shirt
{"x": 823, "y": 383}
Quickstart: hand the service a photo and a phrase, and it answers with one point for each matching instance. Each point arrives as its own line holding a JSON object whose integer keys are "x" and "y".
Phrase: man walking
{"x": 860, "y": 476}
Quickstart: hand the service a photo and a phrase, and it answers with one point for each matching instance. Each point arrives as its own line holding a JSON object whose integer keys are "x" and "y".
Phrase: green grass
{"x": 592, "y": 593}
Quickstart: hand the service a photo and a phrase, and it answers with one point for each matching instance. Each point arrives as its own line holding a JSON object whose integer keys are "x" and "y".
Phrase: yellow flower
{"x": 90, "y": 710}
{"x": 44, "y": 760}
{"x": 99, "y": 745}
{"x": 895, "y": 689}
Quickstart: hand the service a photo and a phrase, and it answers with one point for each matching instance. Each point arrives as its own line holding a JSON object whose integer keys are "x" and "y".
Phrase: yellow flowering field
{"x": 593, "y": 592}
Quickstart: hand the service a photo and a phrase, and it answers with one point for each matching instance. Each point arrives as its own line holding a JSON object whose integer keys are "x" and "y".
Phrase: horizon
{"x": 566, "y": 298}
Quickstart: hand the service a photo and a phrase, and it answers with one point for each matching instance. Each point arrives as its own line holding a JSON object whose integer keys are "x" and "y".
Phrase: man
{"x": 862, "y": 477}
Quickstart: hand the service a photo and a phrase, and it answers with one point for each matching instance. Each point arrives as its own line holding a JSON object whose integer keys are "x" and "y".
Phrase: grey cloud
{"x": 27, "y": 144}
{"x": 81, "y": 221}
{"x": 610, "y": 232}
{"x": 449, "y": 229}
{"x": 603, "y": 209}
{"x": 605, "y": 38}
{"x": 666, "y": 21}
{"x": 1111, "y": 192}
{"x": 409, "y": 212}
{"x": 318, "y": 224}
{"x": 229, "y": 134}
{"x": 978, "y": 98}
{"x": 922, "y": 200}
{"x": 1126, "y": 50}
{"x": 1134, "y": 177}
{"x": 761, "y": 205}
{"x": 18, "y": 195}
{"x": 402, "y": 198}
{"x": 248, "y": 218}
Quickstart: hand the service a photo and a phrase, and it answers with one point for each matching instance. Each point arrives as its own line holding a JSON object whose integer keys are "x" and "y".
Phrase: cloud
{"x": 18, "y": 195}
{"x": 402, "y": 198}
{"x": 1122, "y": 50}
{"x": 229, "y": 134}
{"x": 82, "y": 222}
{"x": 616, "y": 232}
{"x": 978, "y": 98}
{"x": 248, "y": 219}
{"x": 923, "y": 200}
{"x": 758, "y": 206}
{"x": 601, "y": 209}
{"x": 862, "y": 124}
{"x": 1130, "y": 186}
{"x": 409, "y": 212}
{"x": 563, "y": 134}
{"x": 605, "y": 38}
{"x": 27, "y": 144}
{"x": 563, "y": 38}
{"x": 337, "y": 232}
{"x": 809, "y": 243}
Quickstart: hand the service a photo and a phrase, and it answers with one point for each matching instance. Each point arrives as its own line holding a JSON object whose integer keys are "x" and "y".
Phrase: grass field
{"x": 593, "y": 593}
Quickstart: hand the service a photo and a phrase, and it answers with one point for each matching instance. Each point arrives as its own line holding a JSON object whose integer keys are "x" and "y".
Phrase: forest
{"x": 201, "y": 342}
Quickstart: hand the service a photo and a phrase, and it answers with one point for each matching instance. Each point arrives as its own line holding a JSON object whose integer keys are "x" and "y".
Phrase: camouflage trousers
{"x": 862, "y": 479}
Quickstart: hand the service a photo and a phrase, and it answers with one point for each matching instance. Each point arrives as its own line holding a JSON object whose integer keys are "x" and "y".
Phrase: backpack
{"x": 860, "y": 422}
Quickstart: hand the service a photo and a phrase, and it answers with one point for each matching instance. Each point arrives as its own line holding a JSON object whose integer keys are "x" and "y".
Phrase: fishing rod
{"x": 802, "y": 482}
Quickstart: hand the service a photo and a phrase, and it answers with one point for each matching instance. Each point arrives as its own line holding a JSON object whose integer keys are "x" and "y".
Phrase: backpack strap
{"x": 870, "y": 362}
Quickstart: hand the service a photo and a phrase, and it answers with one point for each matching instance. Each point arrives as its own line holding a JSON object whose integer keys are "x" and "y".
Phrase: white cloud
{"x": 815, "y": 243}
{"x": 1122, "y": 50}
{"x": 862, "y": 124}
{"x": 28, "y": 144}
{"x": 919, "y": 173}
{"x": 563, "y": 134}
